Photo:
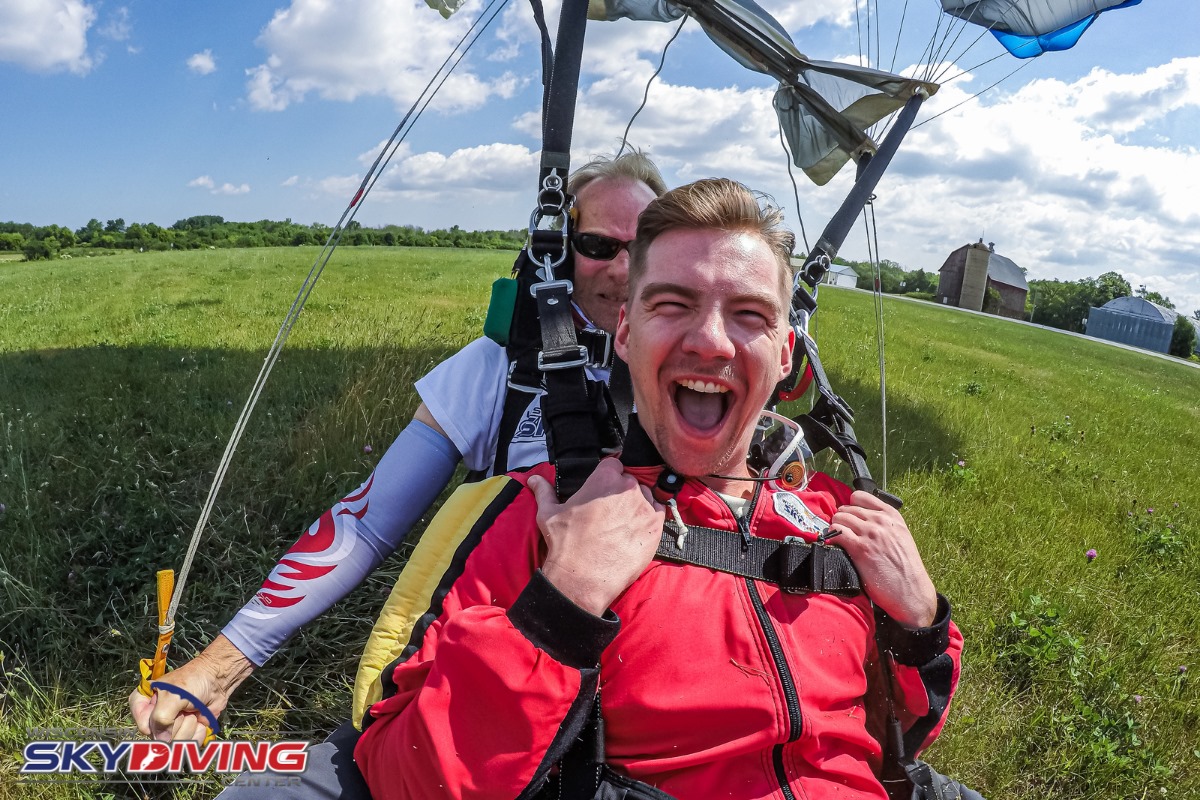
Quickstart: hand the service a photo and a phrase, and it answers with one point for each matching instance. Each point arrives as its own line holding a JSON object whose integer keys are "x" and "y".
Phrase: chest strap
{"x": 794, "y": 565}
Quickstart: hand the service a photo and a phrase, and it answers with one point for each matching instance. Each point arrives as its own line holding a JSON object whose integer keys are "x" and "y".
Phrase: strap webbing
{"x": 620, "y": 388}
{"x": 791, "y": 564}
{"x": 558, "y": 115}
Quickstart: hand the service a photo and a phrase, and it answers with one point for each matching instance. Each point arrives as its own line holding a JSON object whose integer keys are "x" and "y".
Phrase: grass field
{"x": 1016, "y": 450}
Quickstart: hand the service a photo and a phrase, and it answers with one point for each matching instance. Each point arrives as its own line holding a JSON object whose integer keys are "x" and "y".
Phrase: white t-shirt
{"x": 465, "y": 394}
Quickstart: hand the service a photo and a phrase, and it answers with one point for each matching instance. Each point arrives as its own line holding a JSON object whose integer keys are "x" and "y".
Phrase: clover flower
{"x": 367, "y": 449}
{"x": 1091, "y": 554}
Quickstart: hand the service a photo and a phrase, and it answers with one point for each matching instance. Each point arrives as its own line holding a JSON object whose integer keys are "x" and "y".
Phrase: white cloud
{"x": 47, "y": 35}
{"x": 292, "y": 181}
{"x": 364, "y": 47}
{"x": 1069, "y": 180}
{"x": 117, "y": 26}
{"x": 206, "y": 182}
{"x": 202, "y": 63}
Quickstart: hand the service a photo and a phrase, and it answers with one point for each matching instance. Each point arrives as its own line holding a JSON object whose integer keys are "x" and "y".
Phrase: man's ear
{"x": 621, "y": 335}
{"x": 789, "y": 346}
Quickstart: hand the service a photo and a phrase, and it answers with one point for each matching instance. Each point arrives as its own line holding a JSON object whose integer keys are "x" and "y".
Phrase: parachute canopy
{"x": 1028, "y": 28}
{"x": 824, "y": 107}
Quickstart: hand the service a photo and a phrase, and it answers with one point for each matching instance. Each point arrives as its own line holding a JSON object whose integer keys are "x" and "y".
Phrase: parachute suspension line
{"x": 878, "y": 46}
{"x": 944, "y": 81}
{"x": 899, "y": 34}
{"x": 1022, "y": 66}
{"x": 388, "y": 150}
{"x": 984, "y": 30}
{"x": 795, "y": 190}
{"x": 925, "y": 62}
{"x": 646, "y": 94}
{"x": 858, "y": 29}
{"x": 872, "y": 233}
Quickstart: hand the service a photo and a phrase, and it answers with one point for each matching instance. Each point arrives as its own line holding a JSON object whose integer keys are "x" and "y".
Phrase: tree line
{"x": 210, "y": 231}
{"x": 1054, "y": 303}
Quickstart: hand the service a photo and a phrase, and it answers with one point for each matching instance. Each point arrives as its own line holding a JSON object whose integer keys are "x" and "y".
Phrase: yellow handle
{"x": 153, "y": 668}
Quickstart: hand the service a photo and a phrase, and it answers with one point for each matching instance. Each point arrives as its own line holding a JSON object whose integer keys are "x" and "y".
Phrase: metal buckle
{"x": 544, "y": 285}
{"x": 607, "y": 360}
{"x": 580, "y": 360}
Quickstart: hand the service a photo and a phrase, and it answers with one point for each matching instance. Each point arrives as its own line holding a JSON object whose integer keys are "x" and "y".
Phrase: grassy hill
{"x": 1016, "y": 450}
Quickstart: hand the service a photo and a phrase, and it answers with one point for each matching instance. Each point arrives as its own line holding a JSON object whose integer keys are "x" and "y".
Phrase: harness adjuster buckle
{"x": 793, "y": 557}
{"x": 580, "y": 360}
{"x": 545, "y": 286}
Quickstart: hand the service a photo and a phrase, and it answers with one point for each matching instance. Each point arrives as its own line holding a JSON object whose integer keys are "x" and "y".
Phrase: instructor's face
{"x": 706, "y": 338}
{"x": 607, "y": 207}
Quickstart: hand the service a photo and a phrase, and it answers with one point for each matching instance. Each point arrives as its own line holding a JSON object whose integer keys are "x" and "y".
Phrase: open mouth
{"x": 702, "y": 405}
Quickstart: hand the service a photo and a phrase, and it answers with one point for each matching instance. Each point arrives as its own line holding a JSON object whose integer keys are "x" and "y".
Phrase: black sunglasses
{"x": 597, "y": 246}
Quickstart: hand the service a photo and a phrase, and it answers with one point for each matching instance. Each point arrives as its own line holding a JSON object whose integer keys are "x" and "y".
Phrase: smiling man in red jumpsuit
{"x": 710, "y": 684}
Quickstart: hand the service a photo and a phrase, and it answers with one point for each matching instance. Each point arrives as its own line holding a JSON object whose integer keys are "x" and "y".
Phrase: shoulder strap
{"x": 543, "y": 344}
{"x": 792, "y": 564}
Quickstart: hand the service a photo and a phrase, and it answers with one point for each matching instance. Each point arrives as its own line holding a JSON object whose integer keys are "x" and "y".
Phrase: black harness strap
{"x": 620, "y": 388}
{"x": 794, "y": 565}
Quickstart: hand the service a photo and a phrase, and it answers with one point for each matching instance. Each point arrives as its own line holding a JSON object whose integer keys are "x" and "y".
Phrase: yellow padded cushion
{"x": 410, "y": 597}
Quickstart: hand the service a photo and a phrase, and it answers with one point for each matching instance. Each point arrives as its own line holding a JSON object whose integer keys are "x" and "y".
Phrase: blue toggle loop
{"x": 209, "y": 717}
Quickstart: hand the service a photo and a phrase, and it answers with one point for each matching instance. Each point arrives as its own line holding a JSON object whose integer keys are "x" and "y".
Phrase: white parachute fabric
{"x": 1027, "y": 17}
{"x": 445, "y": 7}
{"x": 822, "y": 143}
{"x": 825, "y": 108}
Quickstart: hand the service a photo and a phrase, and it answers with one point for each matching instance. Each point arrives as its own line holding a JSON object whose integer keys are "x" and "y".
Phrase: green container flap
{"x": 500, "y": 310}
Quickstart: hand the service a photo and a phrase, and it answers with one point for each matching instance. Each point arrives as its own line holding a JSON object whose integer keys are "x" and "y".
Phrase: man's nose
{"x": 618, "y": 268}
{"x": 709, "y": 336}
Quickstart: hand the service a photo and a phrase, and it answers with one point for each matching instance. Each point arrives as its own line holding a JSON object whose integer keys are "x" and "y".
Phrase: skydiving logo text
{"x": 48, "y": 757}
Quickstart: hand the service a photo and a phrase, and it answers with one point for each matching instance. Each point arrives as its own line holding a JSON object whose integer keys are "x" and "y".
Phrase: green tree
{"x": 1183, "y": 338}
{"x": 1110, "y": 286}
{"x": 90, "y": 232}
{"x": 115, "y": 226}
{"x": 12, "y": 242}
{"x": 41, "y": 249}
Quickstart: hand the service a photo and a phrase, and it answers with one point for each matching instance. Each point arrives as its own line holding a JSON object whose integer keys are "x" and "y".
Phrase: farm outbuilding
{"x": 1133, "y": 321}
{"x": 972, "y": 269}
{"x": 841, "y": 275}
{"x": 838, "y": 274}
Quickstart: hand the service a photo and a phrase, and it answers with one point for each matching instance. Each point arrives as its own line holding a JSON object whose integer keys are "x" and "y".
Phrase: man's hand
{"x": 879, "y": 543}
{"x": 211, "y": 676}
{"x": 601, "y": 539}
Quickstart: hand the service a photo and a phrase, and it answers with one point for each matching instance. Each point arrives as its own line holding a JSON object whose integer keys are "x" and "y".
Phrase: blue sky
{"x": 1081, "y": 162}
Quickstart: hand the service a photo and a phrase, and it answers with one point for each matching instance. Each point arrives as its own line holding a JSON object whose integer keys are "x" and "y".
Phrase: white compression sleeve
{"x": 350, "y": 540}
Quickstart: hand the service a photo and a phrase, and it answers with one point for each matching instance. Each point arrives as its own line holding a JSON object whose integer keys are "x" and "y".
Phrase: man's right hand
{"x": 211, "y": 676}
{"x": 600, "y": 540}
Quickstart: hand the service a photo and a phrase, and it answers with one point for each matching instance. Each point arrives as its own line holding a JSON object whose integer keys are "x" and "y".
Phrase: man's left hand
{"x": 879, "y": 543}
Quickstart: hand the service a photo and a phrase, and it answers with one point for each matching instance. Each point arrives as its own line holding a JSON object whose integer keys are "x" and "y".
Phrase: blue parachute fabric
{"x": 1062, "y": 39}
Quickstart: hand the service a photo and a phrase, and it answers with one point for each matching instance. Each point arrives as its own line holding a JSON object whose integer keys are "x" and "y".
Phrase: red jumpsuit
{"x": 712, "y": 685}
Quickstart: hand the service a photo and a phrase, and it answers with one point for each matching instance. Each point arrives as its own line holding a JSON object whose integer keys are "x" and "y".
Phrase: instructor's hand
{"x": 600, "y": 540}
{"x": 879, "y": 543}
{"x": 211, "y": 677}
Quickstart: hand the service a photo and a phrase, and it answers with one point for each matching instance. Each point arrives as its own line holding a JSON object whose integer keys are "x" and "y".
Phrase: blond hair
{"x": 714, "y": 204}
{"x": 634, "y": 166}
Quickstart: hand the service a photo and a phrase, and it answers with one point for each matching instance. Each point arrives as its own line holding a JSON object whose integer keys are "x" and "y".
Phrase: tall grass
{"x": 1017, "y": 450}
